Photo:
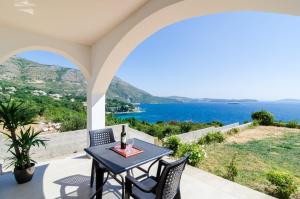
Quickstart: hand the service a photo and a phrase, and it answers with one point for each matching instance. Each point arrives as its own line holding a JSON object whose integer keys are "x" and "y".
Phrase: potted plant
{"x": 14, "y": 116}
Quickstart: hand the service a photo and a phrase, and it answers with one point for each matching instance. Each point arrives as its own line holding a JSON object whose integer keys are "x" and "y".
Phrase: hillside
{"x": 49, "y": 78}
{"x": 54, "y": 79}
{"x": 61, "y": 80}
{"x": 124, "y": 91}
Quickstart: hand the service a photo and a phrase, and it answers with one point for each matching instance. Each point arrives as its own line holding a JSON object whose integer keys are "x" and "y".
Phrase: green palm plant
{"x": 13, "y": 116}
{"x": 25, "y": 140}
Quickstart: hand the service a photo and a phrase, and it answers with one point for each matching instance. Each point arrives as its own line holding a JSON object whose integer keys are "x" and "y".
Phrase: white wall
{"x": 195, "y": 135}
{"x": 67, "y": 143}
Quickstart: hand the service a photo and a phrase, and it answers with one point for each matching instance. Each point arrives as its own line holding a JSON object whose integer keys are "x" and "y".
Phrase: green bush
{"x": 173, "y": 142}
{"x": 216, "y": 123}
{"x": 255, "y": 123}
{"x": 185, "y": 127}
{"x": 231, "y": 169}
{"x": 263, "y": 117}
{"x": 212, "y": 137}
{"x": 233, "y": 131}
{"x": 170, "y": 130}
{"x": 73, "y": 122}
{"x": 197, "y": 154}
{"x": 283, "y": 183}
{"x": 280, "y": 124}
{"x": 292, "y": 124}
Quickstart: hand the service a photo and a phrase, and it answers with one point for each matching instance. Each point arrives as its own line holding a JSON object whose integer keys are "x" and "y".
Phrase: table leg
{"x": 99, "y": 181}
{"x": 123, "y": 187}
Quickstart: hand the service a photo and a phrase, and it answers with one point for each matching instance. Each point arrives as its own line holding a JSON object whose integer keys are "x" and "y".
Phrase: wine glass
{"x": 130, "y": 142}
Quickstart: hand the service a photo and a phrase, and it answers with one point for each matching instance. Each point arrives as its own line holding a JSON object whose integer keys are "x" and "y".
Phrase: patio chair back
{"x": 168, "y": 186}
{"x": 101, "y": 136}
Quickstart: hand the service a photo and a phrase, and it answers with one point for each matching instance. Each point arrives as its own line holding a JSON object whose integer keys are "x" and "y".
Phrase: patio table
{"x": 117, "y": 164}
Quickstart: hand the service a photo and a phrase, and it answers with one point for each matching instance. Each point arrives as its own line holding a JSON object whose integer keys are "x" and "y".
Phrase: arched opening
{"x": 269, "y": 72}
{"x": 53, "y": 86}
{"x": 125, "y": 38}
{"x": 12, "y": 52}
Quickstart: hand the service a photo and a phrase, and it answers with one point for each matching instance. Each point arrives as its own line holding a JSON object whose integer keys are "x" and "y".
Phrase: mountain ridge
{"x": 62, "y": 80}
{"x": 59, "y": 79}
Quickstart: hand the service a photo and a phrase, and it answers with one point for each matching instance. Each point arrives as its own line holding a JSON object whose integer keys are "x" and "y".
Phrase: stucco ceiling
{"x": 81, "y": 21}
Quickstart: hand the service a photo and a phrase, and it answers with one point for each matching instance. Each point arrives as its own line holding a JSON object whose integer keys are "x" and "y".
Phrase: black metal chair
{"x": 166, "y": 184}
{"x": 100, "y": 137}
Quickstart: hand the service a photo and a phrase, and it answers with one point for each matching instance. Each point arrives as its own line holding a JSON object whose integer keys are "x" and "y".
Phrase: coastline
{"x": 128, "y": 112}
{"x": 207, "y": 112}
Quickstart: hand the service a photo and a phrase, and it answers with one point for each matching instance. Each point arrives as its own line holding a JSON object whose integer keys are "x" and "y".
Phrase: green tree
{"x": 263, "y": 117}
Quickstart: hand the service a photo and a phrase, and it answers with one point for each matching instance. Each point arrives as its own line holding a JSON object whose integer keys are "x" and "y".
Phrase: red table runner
{"x": 128, "y": 152}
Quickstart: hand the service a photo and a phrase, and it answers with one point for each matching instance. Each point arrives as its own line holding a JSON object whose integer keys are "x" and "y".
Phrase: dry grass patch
{"x": 258, "y": 133}
{"x": 276, "y": 148}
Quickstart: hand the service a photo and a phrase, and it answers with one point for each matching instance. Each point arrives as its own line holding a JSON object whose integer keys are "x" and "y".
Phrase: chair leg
{"x": 128, "y": 190}
{"x": 92, "y": 174}
{"x": 178, "y": 195}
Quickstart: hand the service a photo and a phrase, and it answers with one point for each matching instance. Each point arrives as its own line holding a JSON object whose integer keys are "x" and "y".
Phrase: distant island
{"x": 195, "y": 100}
{"x": 289, "y": 100}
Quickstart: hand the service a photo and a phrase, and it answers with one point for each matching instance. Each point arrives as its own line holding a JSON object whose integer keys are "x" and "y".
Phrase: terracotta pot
{"x": 24, "y": 175}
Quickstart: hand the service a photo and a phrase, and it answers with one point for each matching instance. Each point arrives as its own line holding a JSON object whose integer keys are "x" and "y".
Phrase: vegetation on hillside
{"x": 160, "y": 129}
{"x": 61, "y": 80}
{"x": 117, "y": 106}
{"x": 69, "y": 110}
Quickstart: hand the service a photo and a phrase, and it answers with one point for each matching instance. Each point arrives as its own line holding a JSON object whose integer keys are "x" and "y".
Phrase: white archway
{"x": 100, "y": 61}
{"x": 112, "y": 50}
{"x": 15, "y": 41}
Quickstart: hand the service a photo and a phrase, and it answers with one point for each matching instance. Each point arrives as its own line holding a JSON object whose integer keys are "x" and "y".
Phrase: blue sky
{"x": 45, "y": 57}
{"x": 231, "y": 55}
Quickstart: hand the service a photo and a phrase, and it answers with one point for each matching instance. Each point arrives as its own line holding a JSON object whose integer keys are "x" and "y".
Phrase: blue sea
{"x": 209, "y": 111}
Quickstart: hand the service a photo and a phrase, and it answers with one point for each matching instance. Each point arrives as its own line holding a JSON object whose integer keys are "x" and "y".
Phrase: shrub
{"x": 132, "y": 121}
{"x": 173, "y": 122}
{"x": 254, "y": 124}
{"x": 233, "y": 131}
{"x": 212, "y": 137}
{"x": 263, "y": 117}
{"x": 185, "y": 127}
{"x": 173, "y": 142}
{"x": 280, "y": 124}
{"x": 216, "y": 123}
{"x": 73, "y": 122}
{"x": 170, "y": 130}
{"x": 154, "y": 131}
{"x": 292, "y": 124}
{"x": 231, "y": 169}
{"x": 197, "y": 154}
{"x": 283, "y": 183}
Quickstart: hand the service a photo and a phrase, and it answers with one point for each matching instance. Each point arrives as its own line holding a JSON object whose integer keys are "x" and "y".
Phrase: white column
{"x": 95, "y": 110}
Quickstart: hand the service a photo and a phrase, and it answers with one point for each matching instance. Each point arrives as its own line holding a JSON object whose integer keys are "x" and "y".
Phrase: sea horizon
{"x": 224, "y": 112}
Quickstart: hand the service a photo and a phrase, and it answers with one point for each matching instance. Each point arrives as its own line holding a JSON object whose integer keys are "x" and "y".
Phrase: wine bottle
{"x": 123, "y": 137}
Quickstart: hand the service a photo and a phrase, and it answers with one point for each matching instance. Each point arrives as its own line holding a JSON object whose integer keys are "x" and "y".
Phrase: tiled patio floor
{"x": 68, "y": 178}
